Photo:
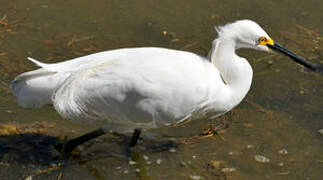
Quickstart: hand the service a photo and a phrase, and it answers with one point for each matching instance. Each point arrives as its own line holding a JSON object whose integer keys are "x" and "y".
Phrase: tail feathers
{"x": 44, "y": 71}
{"x": 29, "y": 90}
{"x": 32, "y": 88}
{"x": 32, "y": 74}
{"x": 29, "y": 96}
{"x": 54, "y": 67}
{"x": 38, "y": 63}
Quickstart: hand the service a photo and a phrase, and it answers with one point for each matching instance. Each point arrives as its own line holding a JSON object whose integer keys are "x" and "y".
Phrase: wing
{"x": 148, "y": 88}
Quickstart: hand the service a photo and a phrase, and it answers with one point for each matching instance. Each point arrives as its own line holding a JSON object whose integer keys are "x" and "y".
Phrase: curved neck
{"x": 235, "y": 71}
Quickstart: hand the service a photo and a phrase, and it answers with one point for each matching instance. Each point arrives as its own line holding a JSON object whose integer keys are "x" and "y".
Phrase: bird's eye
{"x": 262, "y": 39}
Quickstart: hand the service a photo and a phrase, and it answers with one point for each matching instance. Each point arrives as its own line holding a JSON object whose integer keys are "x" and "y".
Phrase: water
{"x": 282, "y": 111}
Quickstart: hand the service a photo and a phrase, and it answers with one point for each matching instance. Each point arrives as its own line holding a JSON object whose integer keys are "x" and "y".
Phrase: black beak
{"x": 296, "y": 58}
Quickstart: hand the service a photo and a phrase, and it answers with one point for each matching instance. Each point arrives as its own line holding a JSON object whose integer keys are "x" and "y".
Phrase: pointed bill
{"x": 293, "y": 56}
{"x": 277, "y": 47}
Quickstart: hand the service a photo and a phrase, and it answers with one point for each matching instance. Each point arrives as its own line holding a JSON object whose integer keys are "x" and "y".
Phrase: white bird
{"x": 148, "y": 87}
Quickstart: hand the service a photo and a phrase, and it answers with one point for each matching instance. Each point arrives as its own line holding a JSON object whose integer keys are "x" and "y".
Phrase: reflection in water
{"x": 60, "y": 30}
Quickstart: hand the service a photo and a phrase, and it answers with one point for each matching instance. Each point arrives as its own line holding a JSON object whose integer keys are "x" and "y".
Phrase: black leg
{"x": 73, "y": 143}
{"x": 134, "y": 138}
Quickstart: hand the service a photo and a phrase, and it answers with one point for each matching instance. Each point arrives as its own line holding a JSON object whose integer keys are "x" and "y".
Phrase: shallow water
{"x": 283, "y": 110}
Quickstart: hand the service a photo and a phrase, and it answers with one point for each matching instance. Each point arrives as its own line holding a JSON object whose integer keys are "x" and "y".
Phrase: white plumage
{"x": 146, "y": 87}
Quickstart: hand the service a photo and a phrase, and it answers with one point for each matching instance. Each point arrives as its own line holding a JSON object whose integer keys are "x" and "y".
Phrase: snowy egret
{"x": 141, "y": 88}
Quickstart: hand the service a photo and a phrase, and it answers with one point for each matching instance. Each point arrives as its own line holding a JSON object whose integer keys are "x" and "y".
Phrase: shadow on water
{"x": 27, "y": 153}
{"x": 28, "y": 149}
{"x": 33, "y": 155}
{"x": 34, "y": 148}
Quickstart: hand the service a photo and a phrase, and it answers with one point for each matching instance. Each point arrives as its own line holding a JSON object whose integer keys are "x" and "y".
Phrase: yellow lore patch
{"x": 264, "y": 41}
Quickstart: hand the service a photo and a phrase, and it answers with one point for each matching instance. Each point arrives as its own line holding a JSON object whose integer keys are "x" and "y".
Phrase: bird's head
{"x": 248, "y": 34}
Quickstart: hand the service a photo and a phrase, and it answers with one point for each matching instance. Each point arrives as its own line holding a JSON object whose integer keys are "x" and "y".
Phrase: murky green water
{"x": 283, "y": 110}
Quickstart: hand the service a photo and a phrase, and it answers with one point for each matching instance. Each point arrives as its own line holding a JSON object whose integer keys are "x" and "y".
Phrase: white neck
{"x": 235, "y": 71}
